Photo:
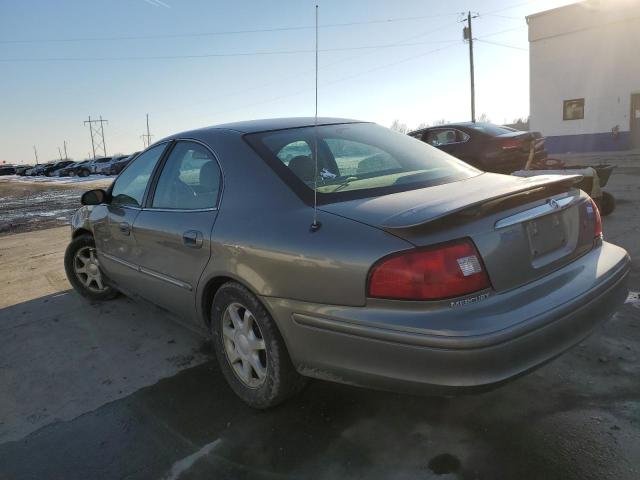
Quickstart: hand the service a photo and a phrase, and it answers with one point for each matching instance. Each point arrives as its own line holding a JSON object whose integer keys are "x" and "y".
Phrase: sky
{"x": 194, "y": 63}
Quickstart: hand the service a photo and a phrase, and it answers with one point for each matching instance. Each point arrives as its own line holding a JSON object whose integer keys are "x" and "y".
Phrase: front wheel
{"x": 83, "y": 270}
{"x": 250, "y": 349}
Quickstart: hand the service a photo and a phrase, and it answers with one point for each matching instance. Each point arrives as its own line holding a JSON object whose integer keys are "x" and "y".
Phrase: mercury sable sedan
{"x": 416, "y": 272}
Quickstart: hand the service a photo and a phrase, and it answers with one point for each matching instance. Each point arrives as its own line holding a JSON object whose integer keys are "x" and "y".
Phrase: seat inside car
{"x": 209, "y": 185}
{"x": 303, "y": 167}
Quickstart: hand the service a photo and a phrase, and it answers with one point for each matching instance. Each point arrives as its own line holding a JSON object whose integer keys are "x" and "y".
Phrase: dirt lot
{"x": 33, "y": 203}
{"x": 119, "y": 390}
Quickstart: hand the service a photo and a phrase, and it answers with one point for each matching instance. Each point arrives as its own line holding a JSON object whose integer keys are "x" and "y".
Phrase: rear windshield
{"x": 355, "y": 160}
{"x": 491, "y": 129}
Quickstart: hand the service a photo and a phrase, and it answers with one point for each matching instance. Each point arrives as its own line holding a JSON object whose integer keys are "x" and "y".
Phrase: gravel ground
{"x": 34, "y": 203}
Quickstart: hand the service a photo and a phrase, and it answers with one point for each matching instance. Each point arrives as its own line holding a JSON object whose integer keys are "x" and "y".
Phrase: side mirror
{"x": 94, "y": 197}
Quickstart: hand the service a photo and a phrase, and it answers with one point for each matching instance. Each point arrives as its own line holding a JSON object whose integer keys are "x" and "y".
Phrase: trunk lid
{"x": 522, "y": 229}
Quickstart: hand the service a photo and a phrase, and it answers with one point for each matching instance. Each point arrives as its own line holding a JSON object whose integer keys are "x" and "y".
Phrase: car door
{"x": 116, "y": 244}
{"x": 173, "y": 231}
{"x": 450, "y": 140}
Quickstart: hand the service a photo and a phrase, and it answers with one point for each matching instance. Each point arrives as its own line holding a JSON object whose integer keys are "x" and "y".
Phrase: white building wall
{"x": 589, "y": 50}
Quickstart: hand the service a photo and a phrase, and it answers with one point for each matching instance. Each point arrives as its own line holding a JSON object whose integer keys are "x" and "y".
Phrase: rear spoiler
{"x": 481, "y": 201}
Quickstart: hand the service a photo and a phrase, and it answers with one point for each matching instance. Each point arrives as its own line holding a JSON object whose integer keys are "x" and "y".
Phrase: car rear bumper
{"x": 358, "y": 346}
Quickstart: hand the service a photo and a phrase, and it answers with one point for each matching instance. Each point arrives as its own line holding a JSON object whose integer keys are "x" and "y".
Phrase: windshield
{"x": 356, "y": 160}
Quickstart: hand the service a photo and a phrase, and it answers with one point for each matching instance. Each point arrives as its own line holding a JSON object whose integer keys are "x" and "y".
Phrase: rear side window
{"x": 190, "y": 179}
{"x": 445, "y": 136}
{"x": 129, "y": 187}
{"x": 490, "y": 129}
{"x": 355, "y": 160}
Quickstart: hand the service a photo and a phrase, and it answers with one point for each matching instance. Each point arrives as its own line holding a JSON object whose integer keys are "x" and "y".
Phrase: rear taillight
{"x": 593, "y": 209}
{"x": 434, "y": 273}
{"x": 511, "y": 143}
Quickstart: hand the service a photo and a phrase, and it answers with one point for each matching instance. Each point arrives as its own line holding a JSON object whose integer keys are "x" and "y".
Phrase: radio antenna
{"x": 315, "y": 225}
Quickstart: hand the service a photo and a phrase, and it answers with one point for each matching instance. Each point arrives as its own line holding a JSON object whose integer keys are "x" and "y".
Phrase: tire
{"x": 280, "y": 380}
{"x": 83, "y": 173}
{"x": 86, "y": 284}
{"x": 72, "y": 173}
{"x": 607, "y": 204}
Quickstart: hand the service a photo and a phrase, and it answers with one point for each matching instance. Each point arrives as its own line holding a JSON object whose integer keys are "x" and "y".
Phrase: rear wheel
{"x": 83, "y": 270}
{"x": 72, "y": 173}
{"x": 250, "y": 350}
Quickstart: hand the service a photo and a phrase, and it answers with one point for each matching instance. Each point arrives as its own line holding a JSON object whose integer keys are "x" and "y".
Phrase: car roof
{"x": 452, "y": 125}
{"x": 267, "y": 124}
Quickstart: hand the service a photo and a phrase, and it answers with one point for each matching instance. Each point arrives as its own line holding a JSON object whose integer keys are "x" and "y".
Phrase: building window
{"x": 573, "y": 109}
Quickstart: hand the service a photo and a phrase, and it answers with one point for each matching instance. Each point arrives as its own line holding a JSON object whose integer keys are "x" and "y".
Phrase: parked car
{"x": 38, "y": 169}
{"x": 22, "y": 169}
{"x": 415, "y": 272}
{"x": 74, "y": 169}
{"x": 7, "y": 170}
{"x": 486, "y": 146}
{"x": 51, "y": 170}
{"x": 118, "y": 165}
{"x": 100, "y": 165}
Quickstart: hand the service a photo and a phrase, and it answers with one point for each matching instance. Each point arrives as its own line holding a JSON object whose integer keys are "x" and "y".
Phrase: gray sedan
{"x": 416, "y": 271}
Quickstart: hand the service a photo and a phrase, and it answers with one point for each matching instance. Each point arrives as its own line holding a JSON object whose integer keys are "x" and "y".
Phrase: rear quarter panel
{"x": 262, "y": 236}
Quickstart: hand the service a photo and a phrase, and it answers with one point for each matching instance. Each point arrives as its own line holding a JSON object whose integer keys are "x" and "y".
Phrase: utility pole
{"x": 467, "y": 34}
{"x": 66, "y": 157}
{"x": 36, "y": 154}
{"x": 97, "y": 135}
{"x": 146, "y": 138}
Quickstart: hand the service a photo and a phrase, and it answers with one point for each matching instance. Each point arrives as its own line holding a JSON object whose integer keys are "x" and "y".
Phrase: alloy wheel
{"x": 87, "y": 269}
{"x": 244, "y": 345}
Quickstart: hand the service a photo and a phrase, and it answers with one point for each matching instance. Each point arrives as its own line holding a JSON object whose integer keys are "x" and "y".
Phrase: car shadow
{"x": 191, "y": 425}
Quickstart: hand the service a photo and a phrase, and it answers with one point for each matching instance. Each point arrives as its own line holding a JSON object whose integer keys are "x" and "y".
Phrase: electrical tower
{"x": 146, "y": 138}
{"x": 96, "y": 130}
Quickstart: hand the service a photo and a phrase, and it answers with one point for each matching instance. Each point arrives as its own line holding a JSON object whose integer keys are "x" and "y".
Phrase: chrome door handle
{"x": 125, "y": 228}
{"x": 192, "y": 238}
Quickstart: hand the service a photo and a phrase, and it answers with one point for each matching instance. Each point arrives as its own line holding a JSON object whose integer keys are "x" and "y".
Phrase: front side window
{"x": 190, "y": 179}
{"x": 356, "y": 160}
{"x": 129, "y": 187}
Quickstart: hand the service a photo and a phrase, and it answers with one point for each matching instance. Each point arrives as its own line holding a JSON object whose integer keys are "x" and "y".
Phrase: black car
{"x": 75, "y": 169}
{"x": 486, "y": 146}
{"x": 7, "y": 170}
{"x": 116, "y": 167}
{"x": 51, "y": 170}
{"x": 22, "y": 169}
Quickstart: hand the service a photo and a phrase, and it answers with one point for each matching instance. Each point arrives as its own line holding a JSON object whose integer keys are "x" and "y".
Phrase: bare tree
{"x": 398, "y": 126}
{"x": 442, "y": 121}
{"x": 422, "y": 125}
{"x": 484, "y": 118}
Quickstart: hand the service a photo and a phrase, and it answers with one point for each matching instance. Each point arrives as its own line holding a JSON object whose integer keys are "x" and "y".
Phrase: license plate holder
{"x": 546, "y": 234}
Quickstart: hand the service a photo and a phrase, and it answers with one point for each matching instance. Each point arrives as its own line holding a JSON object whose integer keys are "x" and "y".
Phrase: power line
{"x": 502, "y": 45}
{"x": 213, "y": 55}
{"x": 227, "y": 32}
